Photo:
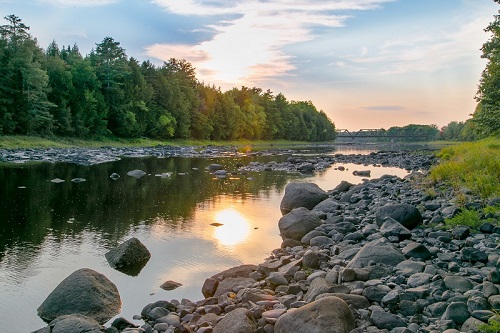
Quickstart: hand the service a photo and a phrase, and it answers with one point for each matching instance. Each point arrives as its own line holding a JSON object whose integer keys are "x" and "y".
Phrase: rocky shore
{"x": 373, "y": 257}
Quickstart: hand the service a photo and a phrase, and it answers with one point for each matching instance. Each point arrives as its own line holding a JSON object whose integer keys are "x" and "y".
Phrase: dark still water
{"x": 48, "y": 230}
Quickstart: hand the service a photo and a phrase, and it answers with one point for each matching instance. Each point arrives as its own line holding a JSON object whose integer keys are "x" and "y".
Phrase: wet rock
{"x": 84, "y": 292}
{"x": 170, "y": 285}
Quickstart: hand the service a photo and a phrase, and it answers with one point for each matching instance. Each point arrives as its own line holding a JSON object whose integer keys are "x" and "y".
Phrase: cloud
{"x": 383, "y": 108}
{"x": 248, "y": 44}
{"x": 428, "y": 50}
{"x": 78, "y": 3}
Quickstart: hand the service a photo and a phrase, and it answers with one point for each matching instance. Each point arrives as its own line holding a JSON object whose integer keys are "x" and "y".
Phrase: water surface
{"x": 48, "y": 230}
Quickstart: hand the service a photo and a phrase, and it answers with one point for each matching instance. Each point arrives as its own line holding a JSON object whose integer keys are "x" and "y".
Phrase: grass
{"x": 468, "y": 218}
{"x": 471, "y": 165}
{"x": 15, "y": 141}
{"x": 493, "y": 325}
{"x": 473, "y": 218}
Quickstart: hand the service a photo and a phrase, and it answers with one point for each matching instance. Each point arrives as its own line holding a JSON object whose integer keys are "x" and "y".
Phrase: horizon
{"x": 365, "y": 63}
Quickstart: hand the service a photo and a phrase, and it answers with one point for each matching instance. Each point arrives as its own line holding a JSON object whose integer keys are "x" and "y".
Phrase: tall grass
{"x": 472, "y": 165}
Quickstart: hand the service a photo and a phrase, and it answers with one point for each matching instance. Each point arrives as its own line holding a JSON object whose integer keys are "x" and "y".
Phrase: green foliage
{"x": 459, "y": 131}
{"x": 487, "y": 114}
{"x": 474, "y": 165}
{"x": 493, "y": 325}
{"x": 469, "y": 218}
{"x": 104, "y": 93}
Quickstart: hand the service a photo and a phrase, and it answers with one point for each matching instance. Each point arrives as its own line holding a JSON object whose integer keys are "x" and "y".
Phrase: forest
{"x": 59, "y": 92}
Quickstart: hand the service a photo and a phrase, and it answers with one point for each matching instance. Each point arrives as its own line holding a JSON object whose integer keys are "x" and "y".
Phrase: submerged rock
{"x": 136, "y": 173}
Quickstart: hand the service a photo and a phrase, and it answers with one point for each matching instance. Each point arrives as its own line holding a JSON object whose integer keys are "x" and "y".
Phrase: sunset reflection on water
{"x": 235, "y": 227}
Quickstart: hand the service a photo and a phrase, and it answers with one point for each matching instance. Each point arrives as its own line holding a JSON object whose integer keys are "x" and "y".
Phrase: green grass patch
{"x": 493, "y": 325}
{"x": 473, "y": 218}
{"x": 468, "y": 218}
{"x": 472, "y": 165}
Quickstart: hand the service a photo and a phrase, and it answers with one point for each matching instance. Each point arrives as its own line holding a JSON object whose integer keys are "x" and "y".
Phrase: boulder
{"x": 327, "y": 206}
{"x": 237, "y": 321}
{"x": 326, "y": 315}
{"x": 392, "y": 228}
{"x": 129, "y": 257}
{"x": 75, "y": 323}
{"x": 416, "y": 250}
{"x": 305, "y": 195}
{"x": 233, "y": 285}
{"x": 408, "y": 215}
{"x": 386, "y": 320}
{"x": 297, "y": 223}
{"x": 210, "y": 286}
{"x": 343, "y": 186}
{"x": 84, "y": 292}
{"x": 378, "y": 253}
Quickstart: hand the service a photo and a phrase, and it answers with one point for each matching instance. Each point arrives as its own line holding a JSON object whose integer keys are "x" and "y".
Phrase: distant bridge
{"x": 416, "y": 134}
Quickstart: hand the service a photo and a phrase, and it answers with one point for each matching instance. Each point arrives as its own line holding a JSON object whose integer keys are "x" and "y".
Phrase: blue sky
{"x": 366, "y": 63}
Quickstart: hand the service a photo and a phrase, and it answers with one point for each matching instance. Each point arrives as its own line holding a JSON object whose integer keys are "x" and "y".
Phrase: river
{"x": 48, "y": 230}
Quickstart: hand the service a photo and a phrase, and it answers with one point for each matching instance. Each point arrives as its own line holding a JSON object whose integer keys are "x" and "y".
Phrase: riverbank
{"x": 34, "y": 142}
{"x": 386, "y": 271}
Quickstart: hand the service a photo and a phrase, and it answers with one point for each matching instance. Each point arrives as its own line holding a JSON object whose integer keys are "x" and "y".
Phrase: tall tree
{"x": 24, "y": 107}
{"x": 487, "y": 114}
{"x": 110, "y": 61}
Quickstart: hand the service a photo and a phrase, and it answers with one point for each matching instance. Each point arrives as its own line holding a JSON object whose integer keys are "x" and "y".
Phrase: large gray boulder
{"x": 378, "y": 253}
{"x": 326, "y": 315}
{"x": 237, "y": 321}
{"x": 84, "y": 292}
{"x": 408, "y": 215}
{"x": 305, "y": 195}
{"x": 297, "y": 223}
{"x": 129, "y": 257}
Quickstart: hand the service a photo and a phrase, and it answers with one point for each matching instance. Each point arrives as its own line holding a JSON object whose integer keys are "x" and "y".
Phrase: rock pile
{"x": 373, "y": 257}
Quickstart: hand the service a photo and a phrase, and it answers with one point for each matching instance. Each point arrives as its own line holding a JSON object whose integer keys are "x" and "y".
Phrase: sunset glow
{"x": 235, "y": 227}
{"x": 366, "y": 63}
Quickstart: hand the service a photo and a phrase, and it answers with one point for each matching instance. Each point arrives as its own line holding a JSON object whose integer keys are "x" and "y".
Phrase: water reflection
{"x": 234, "y": 228}
{"x": 49, "y": 230}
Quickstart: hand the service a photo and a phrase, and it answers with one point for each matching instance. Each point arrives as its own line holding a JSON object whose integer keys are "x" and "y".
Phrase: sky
{"x": 367, "y": 64}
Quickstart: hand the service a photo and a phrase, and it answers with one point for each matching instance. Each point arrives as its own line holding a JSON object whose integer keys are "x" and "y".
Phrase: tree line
{"x": 58, "y": 91}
